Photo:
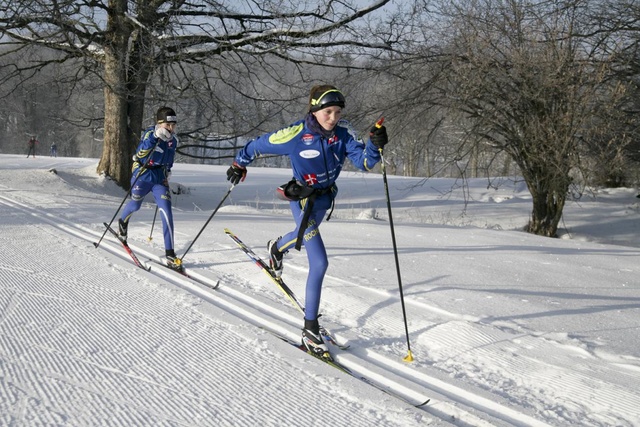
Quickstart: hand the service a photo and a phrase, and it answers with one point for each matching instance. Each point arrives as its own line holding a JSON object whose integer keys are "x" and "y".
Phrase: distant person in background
{"x": 317, "y": 146}
{"x": 54, "y": 150}
{"x": 32, "y": 147}
{"x": 151, "y": 171}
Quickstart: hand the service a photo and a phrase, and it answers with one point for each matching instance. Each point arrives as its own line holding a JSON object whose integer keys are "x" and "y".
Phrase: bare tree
{"x": 613, "y": 142}
{"x": 608, "y": 140}
{"x": 133, "y": 45}
{"x": 528, "y": 87}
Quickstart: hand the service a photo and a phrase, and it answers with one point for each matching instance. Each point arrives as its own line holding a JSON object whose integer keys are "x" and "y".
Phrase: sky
{"x": 505, "y": 328}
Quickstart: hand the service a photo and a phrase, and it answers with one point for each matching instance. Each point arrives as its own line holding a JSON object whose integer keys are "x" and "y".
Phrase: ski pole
{"x": 152, "y": 224}
{"x": 409, "y": 357}
{"x": 178, "y": 261}
{"x": 96, "y": 244}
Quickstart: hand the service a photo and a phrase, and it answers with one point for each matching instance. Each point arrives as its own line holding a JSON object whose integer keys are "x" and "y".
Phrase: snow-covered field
{"x": 506, "y": 328}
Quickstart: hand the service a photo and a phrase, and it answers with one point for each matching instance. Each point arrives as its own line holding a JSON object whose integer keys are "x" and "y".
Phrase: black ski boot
{"x": 313, "y": 341}
{"x": 173, "y": 262}
{"x": 275, "y": 257}
{"x": 122, "y": 230}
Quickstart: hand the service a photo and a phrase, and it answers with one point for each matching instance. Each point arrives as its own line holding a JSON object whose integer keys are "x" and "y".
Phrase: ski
{"x": 186, "y": 274}
{"x": 328, "y": 335}
{"x": 147, "y": 267}
{"x": 337, "y": 365}
{"x": 266, "y": 269}
{"x": 126, "y": 247}
{"x": 329, "y": 361}
{"x": 395, "y": 395}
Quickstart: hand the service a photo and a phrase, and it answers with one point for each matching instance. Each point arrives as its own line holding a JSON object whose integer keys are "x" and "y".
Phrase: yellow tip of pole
{"x": 178, "y": 261}
{"x": 409, "y": 357}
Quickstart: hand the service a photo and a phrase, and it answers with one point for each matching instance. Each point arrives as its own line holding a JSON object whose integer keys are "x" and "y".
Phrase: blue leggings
{"x": 316, "y": 254}
{"x": 162, "y": 195}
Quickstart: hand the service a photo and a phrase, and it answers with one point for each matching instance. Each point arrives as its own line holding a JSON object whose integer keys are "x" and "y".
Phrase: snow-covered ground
{"x": 506, "y": 328}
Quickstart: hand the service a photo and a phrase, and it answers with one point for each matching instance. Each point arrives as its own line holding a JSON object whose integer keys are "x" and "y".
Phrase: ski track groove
{"x": 333, "y": 307}
{"x": 461, "y": 344}
{"x": 467, "y": 335}
{"x": 58, "y": 365}
{"x": 110, "y": 364}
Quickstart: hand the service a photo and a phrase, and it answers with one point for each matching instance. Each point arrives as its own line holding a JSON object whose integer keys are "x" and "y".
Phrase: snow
{"x": 505, "y": 328}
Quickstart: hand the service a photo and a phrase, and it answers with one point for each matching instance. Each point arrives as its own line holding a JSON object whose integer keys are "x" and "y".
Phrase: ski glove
{"x": 162, "y": 133}
{"x": 378, "y": 136}
{"x": 236, "y": 173}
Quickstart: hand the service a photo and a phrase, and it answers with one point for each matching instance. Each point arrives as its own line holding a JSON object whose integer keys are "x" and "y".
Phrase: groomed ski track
{"x": 448, "y": 402}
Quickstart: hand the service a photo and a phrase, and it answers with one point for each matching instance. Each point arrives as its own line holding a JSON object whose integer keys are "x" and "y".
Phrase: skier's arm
{"x": 363, "y": 156}
{"x": 279, "y": 142}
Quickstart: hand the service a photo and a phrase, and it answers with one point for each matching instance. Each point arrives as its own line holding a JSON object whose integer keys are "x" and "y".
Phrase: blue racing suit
{"x": 317, "y": 157}
{"x": 150, "y": 173}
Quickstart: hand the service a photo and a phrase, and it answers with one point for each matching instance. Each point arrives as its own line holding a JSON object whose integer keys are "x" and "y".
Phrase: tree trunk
{"x": 141, "y": 64}
{"x": 116, "y": 153}
{"x": 549, "y": 197}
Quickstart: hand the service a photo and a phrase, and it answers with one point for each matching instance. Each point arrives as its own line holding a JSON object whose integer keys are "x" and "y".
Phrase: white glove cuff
{"x": 162, "y": 133}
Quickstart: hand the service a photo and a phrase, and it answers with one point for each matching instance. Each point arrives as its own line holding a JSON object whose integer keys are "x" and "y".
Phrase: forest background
{"x": 542, "y": 90}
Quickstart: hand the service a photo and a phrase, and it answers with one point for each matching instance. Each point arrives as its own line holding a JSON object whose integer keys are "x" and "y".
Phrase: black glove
{"x": 236, "y": 173}
{"x": 378, "y": 136}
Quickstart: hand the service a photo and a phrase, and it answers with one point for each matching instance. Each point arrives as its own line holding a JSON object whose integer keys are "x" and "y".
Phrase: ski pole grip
{"x": 378, "y": 125}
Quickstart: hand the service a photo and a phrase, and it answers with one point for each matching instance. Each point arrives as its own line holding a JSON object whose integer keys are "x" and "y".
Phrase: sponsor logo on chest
{"x": 309, "y": 154}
